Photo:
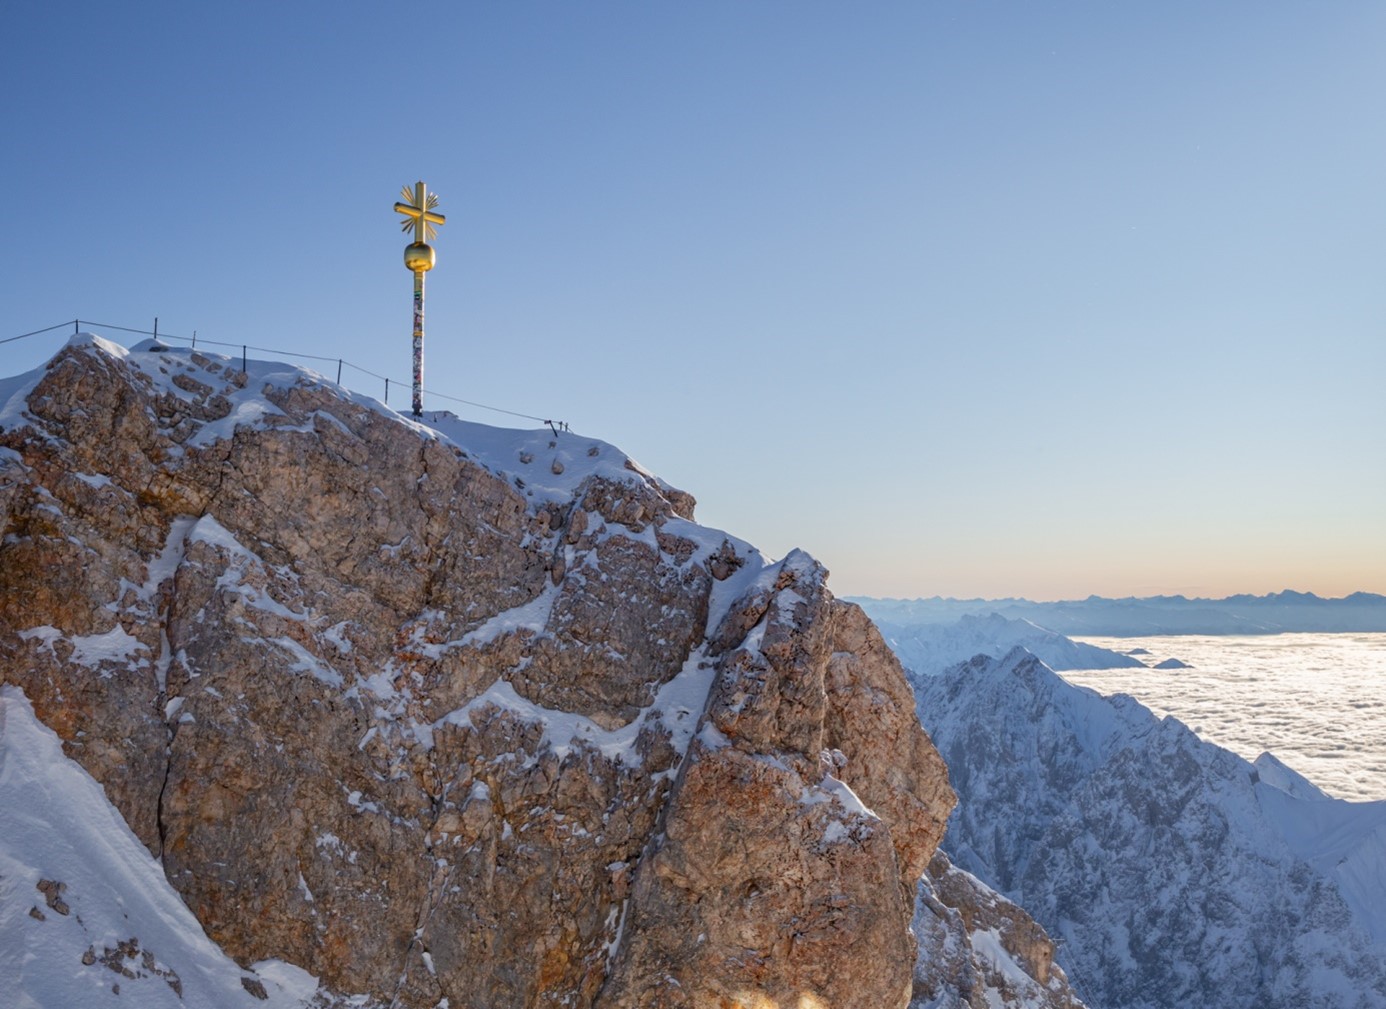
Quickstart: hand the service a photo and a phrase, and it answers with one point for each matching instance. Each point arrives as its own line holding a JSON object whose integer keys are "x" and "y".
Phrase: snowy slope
{"x": 930, "y": 648}
{"x": 86, "y": 916}
{"x": 1174, "y": 873}
{"x": 1275, "y": 772}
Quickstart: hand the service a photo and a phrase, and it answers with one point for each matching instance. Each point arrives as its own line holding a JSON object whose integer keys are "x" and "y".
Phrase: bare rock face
{"x": 722, "y": 903}
{"x": 446, "y": 712}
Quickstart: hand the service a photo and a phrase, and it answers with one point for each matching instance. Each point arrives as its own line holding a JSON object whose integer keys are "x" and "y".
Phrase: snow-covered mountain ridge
{"x": 1277, "y": 613}
{"x": 931, "y": 648}
{"x": 1174, "y": 872}
{"x": 440, "y": 714}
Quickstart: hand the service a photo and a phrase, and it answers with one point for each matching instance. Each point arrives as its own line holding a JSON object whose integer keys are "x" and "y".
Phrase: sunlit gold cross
{"x": 418, "y": 212}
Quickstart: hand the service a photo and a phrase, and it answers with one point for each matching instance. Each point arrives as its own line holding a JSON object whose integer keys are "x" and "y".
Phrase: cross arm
{"x": 415, "y": 212}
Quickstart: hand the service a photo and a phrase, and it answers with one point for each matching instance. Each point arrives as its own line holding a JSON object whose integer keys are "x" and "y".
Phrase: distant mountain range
{"x": 1277, "y": 613}
{"x": 932, "y": 648}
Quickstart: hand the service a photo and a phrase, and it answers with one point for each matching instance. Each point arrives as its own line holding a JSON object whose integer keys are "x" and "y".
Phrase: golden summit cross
{"x": 418, "y": 212}
{"x": 417, "y": 209}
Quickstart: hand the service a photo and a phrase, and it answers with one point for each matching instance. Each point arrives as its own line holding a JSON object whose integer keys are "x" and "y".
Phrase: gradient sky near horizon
{"x": 966, "y": 299}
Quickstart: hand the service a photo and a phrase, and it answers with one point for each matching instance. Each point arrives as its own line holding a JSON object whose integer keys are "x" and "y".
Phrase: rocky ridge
{"x": 451, "y": 715}
{"x": 977, "y": 950}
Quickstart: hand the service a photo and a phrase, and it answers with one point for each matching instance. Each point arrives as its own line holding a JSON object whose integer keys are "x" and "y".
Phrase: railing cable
{"x": 556, "y": 426}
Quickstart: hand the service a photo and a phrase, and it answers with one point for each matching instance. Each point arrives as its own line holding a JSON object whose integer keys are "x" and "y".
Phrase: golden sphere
{"x": 419, "y": 257}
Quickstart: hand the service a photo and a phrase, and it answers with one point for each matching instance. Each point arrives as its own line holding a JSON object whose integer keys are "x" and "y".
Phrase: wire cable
{"x": 289, "y": 353}
{"x": 36, "y": 332}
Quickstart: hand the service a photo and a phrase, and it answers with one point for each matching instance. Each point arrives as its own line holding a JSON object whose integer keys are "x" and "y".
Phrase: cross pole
{"x": 419, "y": 259}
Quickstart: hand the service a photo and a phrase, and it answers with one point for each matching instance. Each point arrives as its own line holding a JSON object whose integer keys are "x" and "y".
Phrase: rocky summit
{"x": 451, "y": 716}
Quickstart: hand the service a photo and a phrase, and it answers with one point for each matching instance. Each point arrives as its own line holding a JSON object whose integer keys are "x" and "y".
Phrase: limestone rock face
{"x": 438, "y": 711}
{"x": 722, "y": 902}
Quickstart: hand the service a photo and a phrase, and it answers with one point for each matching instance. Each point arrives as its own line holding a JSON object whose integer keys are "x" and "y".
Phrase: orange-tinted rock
{"x": 388, "y": 717}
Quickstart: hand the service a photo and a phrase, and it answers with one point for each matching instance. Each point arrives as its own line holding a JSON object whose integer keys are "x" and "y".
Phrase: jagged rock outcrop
{"x": 435, "y": 711}
{"x": 980, "y": 951}
{"x": 812, "y": 922}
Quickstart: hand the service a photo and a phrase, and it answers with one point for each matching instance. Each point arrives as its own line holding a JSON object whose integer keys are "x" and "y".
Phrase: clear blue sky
{"x": 964, "y": 298}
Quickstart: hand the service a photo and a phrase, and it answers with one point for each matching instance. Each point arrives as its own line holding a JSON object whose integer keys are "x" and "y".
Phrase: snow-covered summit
{"x": 1274, "y": 772}
{"x": 930, "y": 648}
{"x": 548, "y": 465}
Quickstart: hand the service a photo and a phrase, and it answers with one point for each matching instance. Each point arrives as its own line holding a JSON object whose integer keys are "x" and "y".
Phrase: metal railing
{"x": 555, "y": 425}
